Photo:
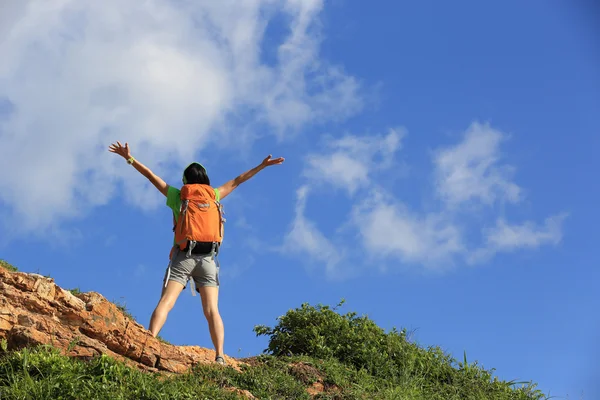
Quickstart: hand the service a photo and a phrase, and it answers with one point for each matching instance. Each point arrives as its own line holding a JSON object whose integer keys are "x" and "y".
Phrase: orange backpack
{"x": 200, "y": 218}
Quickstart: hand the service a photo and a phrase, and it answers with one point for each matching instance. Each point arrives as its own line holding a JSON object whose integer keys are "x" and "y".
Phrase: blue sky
{"x": 439, "y": 170}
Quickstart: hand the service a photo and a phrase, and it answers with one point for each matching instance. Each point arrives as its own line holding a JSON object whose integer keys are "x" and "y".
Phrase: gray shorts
{"x": 202, "y": 268}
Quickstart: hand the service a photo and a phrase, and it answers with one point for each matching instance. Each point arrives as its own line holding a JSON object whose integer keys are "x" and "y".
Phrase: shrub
{"x": 322, "y": 333}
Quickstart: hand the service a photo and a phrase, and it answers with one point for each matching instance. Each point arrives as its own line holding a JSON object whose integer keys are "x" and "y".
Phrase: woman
{"x": 197, "y": 264}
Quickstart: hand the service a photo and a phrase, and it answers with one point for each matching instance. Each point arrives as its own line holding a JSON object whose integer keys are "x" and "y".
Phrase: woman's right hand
{"x": 121, "y": 150}
{"x": 124, "y": 152}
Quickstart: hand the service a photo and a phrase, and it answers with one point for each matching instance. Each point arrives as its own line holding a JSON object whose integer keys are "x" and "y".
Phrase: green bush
{"x": 320, "y": 332}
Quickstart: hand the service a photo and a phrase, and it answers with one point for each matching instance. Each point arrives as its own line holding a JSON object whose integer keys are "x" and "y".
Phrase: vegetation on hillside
{"x": 405, "y": 369}
{"x": 7, "y": 265}
{"x": 313, "y": 352}
{"x": 43, "y": 373}
{"x": 311, "y": 348}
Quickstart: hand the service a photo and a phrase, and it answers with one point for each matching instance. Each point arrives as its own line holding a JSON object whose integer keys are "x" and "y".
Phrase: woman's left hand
{"x": 272, "y": 161}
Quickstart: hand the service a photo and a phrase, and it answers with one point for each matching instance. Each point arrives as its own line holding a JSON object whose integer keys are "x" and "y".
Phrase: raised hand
{"x": 121, "y": 150}
{"x": 272, "y": 161}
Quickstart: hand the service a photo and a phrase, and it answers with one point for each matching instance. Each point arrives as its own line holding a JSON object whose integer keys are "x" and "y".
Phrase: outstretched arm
{"x": 124, "y": 152}
{"x": 228, "y": 187}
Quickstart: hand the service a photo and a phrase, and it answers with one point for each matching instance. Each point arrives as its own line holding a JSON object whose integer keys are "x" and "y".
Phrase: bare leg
{"x": 210, "y": 305}
{"x": 167, "y": 301}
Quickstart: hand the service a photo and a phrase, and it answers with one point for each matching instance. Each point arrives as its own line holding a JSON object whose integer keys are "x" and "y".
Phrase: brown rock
{"x": 305, "y": 372}
{"x": 34, "y": 310}
{"x": 5, "y": 324}
{"x": 315, "y": 389}
{"x": 240, "y": 392}
{"x": 310, "y": 375}
{"x": 68, "y": 298}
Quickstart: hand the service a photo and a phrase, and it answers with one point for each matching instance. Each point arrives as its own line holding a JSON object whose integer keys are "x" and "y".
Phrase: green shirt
{"x": 174, "y": 201}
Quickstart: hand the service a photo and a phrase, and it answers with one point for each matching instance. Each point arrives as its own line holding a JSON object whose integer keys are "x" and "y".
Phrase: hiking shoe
{"x": 220, "y": 360}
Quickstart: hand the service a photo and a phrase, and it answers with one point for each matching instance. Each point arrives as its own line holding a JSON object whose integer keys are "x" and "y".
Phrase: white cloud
{"x": 168, "y": 77}
{"x": 306, "y": 240}
{"x": 351, "y": 160}
{"x": 505, "y": 236}
{"x": 385, "y": 227}
{"x": 469, "y": 171}
{"x": 388, "y": 228}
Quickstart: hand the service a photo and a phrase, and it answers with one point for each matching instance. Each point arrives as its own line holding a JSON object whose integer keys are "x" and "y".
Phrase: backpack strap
{"x": 223, "y": 220}
{"x": 215, "y": 253}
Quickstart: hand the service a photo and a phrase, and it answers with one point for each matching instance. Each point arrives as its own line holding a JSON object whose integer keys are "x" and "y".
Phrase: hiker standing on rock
{"x": 198, "y": 227}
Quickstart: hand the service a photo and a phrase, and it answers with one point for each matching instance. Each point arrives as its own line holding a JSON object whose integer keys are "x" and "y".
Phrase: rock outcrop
{"x": 34, "y": 310}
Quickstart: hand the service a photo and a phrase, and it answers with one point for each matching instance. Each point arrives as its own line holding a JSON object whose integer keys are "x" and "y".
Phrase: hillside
{"x": 61, "y": 344}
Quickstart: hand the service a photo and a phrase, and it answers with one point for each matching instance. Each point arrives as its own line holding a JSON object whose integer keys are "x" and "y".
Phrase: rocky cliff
{"x": 34, "y": 310}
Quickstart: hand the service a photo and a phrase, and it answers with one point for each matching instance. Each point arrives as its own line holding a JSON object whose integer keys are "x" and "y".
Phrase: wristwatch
{"x": 130, "y": 160}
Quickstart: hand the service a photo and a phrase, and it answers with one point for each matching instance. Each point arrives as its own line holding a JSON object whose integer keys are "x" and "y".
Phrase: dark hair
{"x": 195, "y": 173}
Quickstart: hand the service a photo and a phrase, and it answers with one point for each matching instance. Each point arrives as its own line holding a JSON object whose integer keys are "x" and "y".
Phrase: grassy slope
{"x": 43, "y": 373}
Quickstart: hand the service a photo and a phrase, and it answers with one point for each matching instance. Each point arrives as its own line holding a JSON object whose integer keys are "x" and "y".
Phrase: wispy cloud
{"x": 469, "y": 172}
{"x": 237, "y": 268}
{"x": 169, "y": 77}
{"x": 306, "y": 240}
{"x": 349, "y": 162}
{"x": 507, "y": 237}
{"x": 389, "y": 228}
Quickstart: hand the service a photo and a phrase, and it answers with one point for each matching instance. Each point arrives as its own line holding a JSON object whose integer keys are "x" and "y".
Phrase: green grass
{"x": 163, "y": 340}
{"x": 43, "y": 373}
{"x": 123, "y": 308}
{"x": 8, "y": 266}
